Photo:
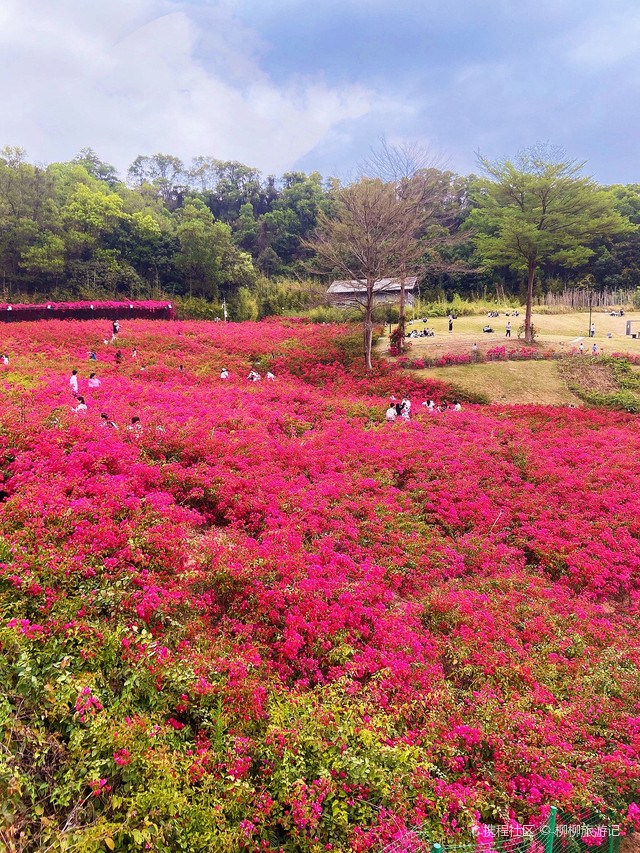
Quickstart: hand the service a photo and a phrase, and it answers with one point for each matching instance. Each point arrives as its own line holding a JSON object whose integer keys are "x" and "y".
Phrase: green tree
{"x": 24, "y": 189}
{"x": 93, "y": 212}
{"x": 46, "y": 257}
{"x": 95, "y": 167}
{"x": 164, "y": 172}
{"x": 539, "y": 209}
{"x": 207, "y": 256}
{"x": 618, "y": 264}
{"x": 246, "y": 230}
{"x": 226, "y": 186}
{"x": 243, "y": 305}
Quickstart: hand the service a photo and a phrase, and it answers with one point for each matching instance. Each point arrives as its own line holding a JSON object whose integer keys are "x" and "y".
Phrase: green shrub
{"x": 243, "y": 305}
{"x": 462, "y": 307}
{"x": 196, "y": 308}
{"x": 624, "y": 375}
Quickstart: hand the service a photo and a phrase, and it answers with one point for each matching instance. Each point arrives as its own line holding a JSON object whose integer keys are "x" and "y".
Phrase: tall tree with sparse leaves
{"x": 367, "y": 239}
{"x": 538, "y": 209}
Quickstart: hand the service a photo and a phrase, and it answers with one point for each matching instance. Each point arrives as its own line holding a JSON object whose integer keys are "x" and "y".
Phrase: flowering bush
{"x": 62, "y": 307}
{"x": 633, "y": 358}
{"x": 524, "y": 353}
{"x": 497, "y": 353}
{"x": 266, "y": 619}
{"x": 453, "y": 358}
{"x": 87, "y": 310}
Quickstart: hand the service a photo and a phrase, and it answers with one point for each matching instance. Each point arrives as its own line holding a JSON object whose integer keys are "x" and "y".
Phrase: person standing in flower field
{"x": 391, "y": 413}
{"x": 73, "y": 382}
{"x": 594, "y": 349}
{"x": 224, "y": 373}
{"x": 508, "y": 331}
{"x": 5, "y": 360}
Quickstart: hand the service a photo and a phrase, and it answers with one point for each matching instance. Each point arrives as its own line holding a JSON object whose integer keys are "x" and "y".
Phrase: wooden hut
{"x": 345, "y": 294}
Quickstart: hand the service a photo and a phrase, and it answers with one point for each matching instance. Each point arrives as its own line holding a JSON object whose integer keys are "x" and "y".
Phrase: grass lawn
{"x": 519, "y": 382}
{"x": 555, "y": 330}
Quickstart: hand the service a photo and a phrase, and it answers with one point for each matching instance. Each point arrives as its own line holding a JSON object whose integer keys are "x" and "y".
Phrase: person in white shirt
{"x": 105, "y": 422}
{"x": 73, "y": 382}
{"x": 93, "y": 382}
{"x": 254, "y": 376}
{"x": 270, "y": 376}
{"x": 5, "y": 360}
{"x": 81, "y": 407}
{"x": 391, "y": 414}
{"x": 224, "y": 373}
{"x": 456, "y": 405}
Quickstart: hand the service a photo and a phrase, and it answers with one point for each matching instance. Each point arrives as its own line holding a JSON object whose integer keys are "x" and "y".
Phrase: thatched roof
{"x": 386, "y": 285}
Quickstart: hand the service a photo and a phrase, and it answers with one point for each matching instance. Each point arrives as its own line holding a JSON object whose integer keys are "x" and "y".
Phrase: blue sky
{"x": 298, "y": 84}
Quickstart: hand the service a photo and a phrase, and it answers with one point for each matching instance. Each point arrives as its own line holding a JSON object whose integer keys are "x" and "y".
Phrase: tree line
{"x": 221, "y": 230}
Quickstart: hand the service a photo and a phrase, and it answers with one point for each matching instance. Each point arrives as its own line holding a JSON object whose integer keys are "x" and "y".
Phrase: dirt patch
{"x": 593, "y": 378}
{"x": 630, "y": 843}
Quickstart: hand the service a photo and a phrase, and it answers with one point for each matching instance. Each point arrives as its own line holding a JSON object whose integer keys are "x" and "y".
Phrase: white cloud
{"x": 612, "y": 39}
{"x": 128, "y": 77}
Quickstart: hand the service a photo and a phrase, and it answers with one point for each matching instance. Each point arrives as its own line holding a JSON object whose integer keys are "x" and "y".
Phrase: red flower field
{"x": 263, "y": 618}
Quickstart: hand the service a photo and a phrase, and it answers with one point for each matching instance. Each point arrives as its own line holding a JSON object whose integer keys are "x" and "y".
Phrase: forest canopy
{"x": 219, "y": 230}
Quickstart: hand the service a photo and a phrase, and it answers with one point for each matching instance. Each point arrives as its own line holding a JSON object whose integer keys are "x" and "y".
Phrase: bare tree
{"x": 421, "y": 186}
{"x": 394, "y": 162}
{"x": 373, "y": 231}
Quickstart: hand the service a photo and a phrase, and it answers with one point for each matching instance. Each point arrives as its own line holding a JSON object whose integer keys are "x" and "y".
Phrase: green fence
{"x": 562, "y": 833}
